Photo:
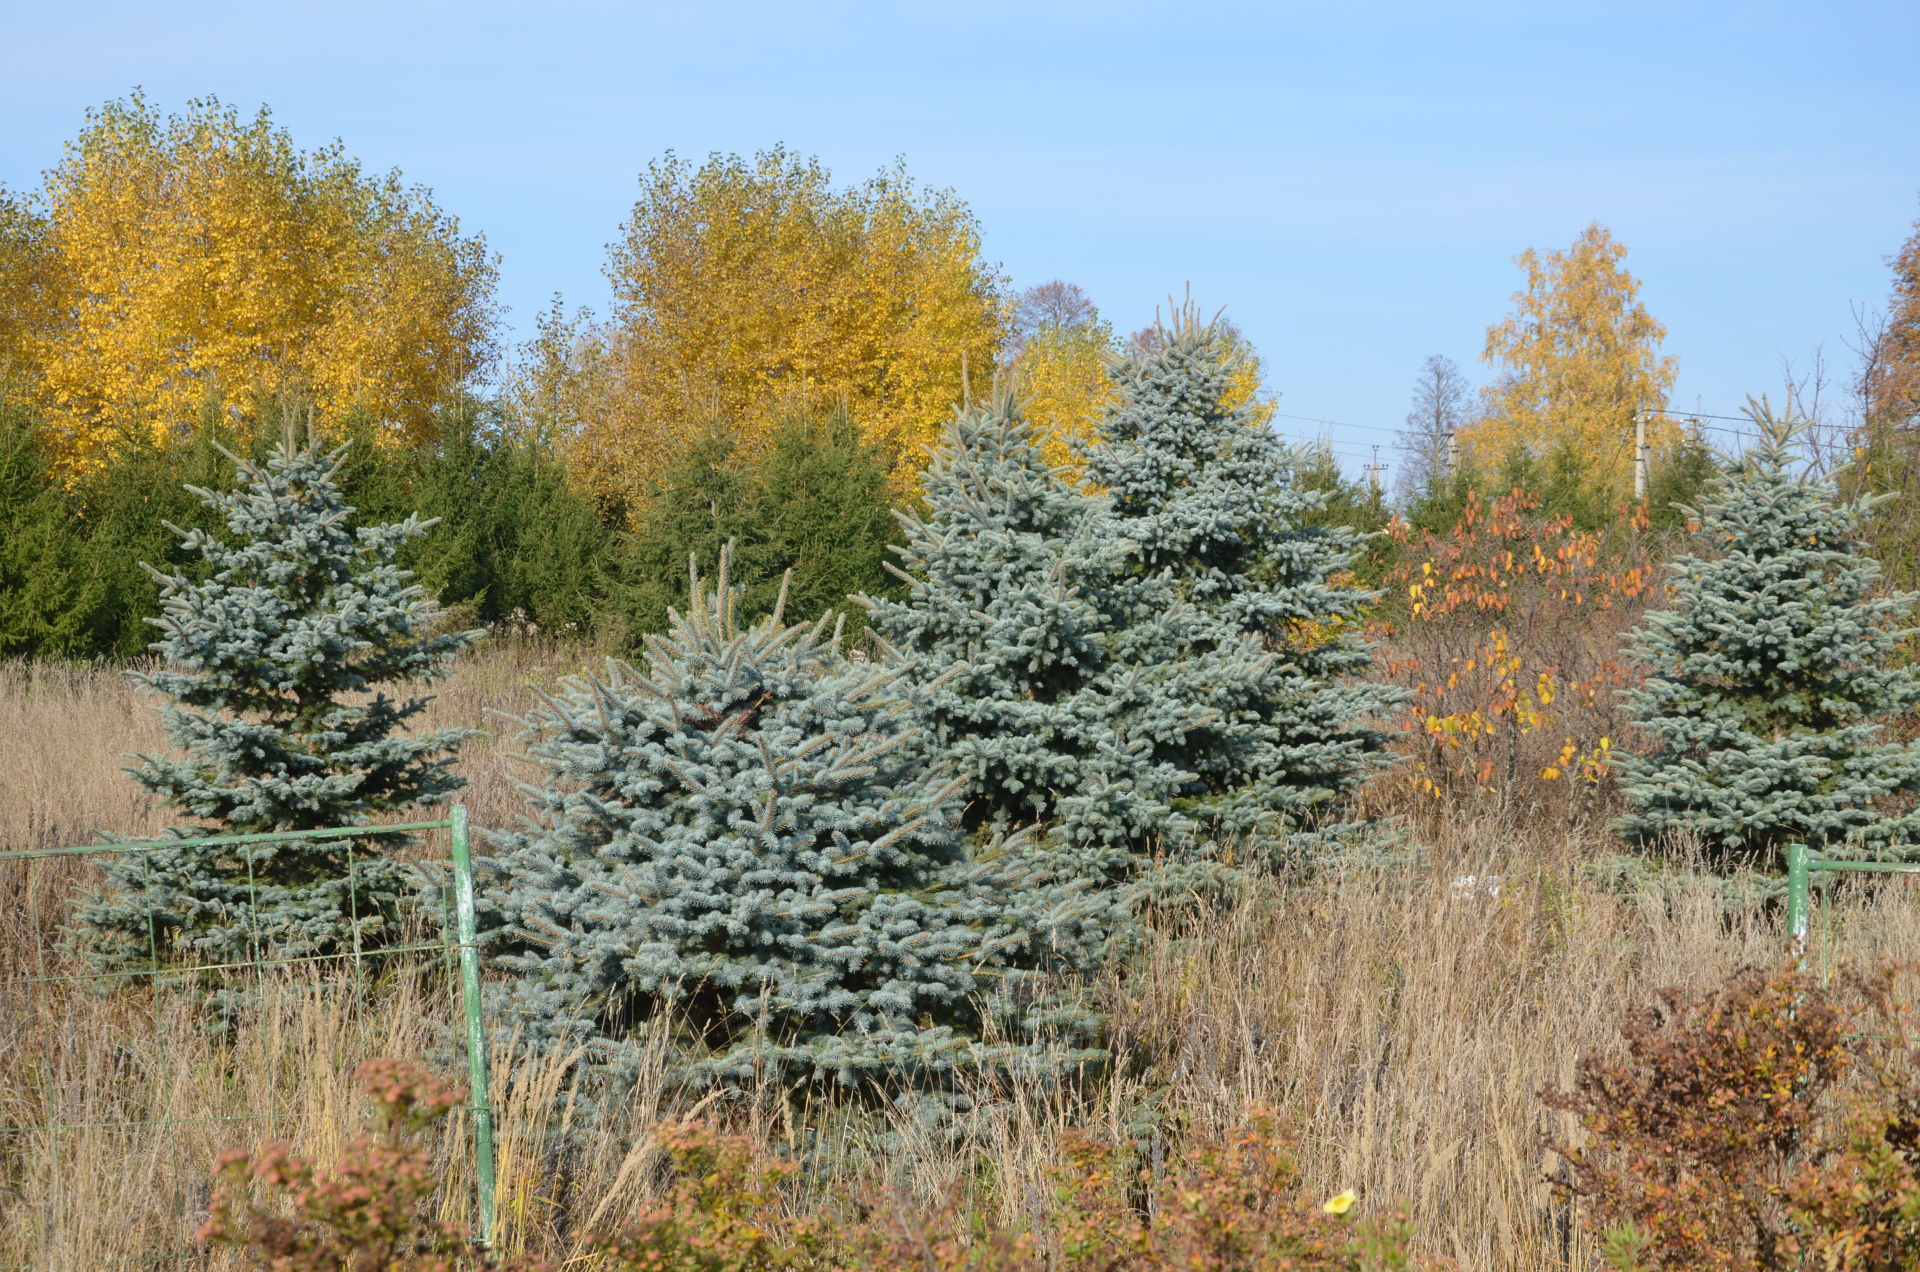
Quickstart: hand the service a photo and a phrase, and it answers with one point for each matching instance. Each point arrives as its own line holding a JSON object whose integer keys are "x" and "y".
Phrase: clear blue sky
{"x": 1351, "y": 181}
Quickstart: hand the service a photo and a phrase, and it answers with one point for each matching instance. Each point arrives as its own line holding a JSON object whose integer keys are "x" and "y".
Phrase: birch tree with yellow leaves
{"x": 745, "y": 290}
{"x": 1058, "y": 353}
{"x": 22, "y": 254}
{"x": 173, "y": 264}
{"x": 1576, "y": 357}
{"x": 1062, "y": 357}
{"x": 1064, "y": 380}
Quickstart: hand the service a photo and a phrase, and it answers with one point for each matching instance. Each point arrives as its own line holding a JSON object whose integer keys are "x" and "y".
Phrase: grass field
{"x": 1403, "y": 1024}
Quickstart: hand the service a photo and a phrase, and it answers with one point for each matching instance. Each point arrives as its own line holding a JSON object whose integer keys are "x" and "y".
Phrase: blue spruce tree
{"x": 1772, "y": 674}
{"x": 267, "y": 664}
{"x": 1211, "y": 499}
{"x": 738, "y": 841}
{"x": 1034, "y": 657}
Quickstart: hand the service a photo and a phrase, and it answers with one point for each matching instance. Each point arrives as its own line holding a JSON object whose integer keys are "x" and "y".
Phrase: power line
{"x": 1700, "y": 415}
{"x": 1345, "y": 452}
{"x": 1812, "y": 426}
{"x": 1314, "y": 419}
{"x": 1694, "y": 416}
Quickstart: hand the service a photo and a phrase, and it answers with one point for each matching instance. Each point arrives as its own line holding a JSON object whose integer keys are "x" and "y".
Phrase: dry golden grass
{"x": 1403, "y": 1025}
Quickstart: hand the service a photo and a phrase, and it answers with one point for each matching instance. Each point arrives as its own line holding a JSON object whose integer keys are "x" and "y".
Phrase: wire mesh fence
{"x": 120, "y": 1083}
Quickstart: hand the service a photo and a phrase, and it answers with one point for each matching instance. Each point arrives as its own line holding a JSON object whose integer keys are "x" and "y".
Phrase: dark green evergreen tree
{"x": 44, "y": 577}
{"x": 121, "y": 517}
{"x": 696, "y": 511}
{"x": 514, "y": 542}
{"x": 1678, "y": 480}
{"x": 1772, "y": 675}
{"x": 740, "y": 840}
{"x": 1442, "y": 502}
{"x": 273, "y": 668}
{"x": 1213, "y": 501}
{"x": 1345, "y": 503}
{"x": 820, "y": 507}
{"x": 816, "y": 503}
{"x": 1560, "y": 480}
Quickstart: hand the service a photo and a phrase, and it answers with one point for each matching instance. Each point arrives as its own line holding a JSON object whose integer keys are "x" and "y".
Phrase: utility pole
{"x": 1373, "y": 472}
{"x": 1640, "y": 454}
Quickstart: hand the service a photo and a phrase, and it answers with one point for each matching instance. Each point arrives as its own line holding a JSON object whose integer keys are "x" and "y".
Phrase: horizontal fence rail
{"x": 458, "y": 941}
{"x": 1802, "y": 865}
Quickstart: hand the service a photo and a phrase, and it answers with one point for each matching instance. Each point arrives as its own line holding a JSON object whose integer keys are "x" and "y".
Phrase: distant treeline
{"x": 520, "y": 541}
{"x": 517, "y": 541}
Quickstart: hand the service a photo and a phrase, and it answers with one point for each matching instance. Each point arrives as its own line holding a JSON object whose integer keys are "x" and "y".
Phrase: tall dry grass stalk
{"x": 1401, "y": 1022}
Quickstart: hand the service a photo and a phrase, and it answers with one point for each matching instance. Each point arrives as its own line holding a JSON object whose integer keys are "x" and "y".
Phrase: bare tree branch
{"x": 1442, "y": 404}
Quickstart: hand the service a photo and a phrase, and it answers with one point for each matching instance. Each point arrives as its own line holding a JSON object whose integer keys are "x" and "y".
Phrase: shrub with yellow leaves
{"x": 1507, "y": 629}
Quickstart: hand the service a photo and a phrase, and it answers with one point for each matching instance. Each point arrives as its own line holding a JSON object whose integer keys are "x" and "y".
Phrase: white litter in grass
{"x": 1477, "y": 885}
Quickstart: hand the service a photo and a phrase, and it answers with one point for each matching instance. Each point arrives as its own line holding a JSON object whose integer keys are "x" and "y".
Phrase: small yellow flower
{"x": 1340, "y": 1203}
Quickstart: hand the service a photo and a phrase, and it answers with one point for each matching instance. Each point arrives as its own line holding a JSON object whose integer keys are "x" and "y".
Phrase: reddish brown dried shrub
{"x": 1770, "y": 1123}
{"x": 364, "y": 1215}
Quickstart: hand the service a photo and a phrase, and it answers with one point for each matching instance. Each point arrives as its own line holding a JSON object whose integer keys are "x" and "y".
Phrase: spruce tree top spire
{"x": 1772, "y": 671}
{"x": 1209, "y": 492}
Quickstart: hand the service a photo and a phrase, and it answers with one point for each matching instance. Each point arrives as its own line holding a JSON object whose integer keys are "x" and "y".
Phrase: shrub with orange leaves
{"x": 1772, "y": 1122}
{"x": 1232, "y": 1203}
{"x": 362, "y": 1216}
{"x": 1507, "y": 630}
{"x": 722, "y": 1211}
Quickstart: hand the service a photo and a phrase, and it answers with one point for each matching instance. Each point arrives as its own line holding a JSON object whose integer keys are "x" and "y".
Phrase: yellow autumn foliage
{"x": 1890, "y": 377}
{"x": 1247, "y": 377}
{"x": 1576, "y": 357}
{"x": 743, "y": 289}
{"x": 187, "y": 261}
{"x": 21, "y": 256}
{"x": 1061, "y": 375}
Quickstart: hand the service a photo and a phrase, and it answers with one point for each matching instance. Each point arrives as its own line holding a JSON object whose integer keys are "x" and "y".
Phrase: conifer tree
{"x": 42, "y": 563}
{"x": 814, "y": 503}
{"x": 266, "y": 664}
{"x": 1212, "y": 500}
{"x": 739, "y": 840}
{"x": 1772, "y": 674}
{"x": 1033, "y": 655}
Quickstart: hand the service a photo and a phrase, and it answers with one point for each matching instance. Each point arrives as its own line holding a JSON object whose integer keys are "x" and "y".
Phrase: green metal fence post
{"x": 1797, "y": 898}
{"x": 476, "y": 1033}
